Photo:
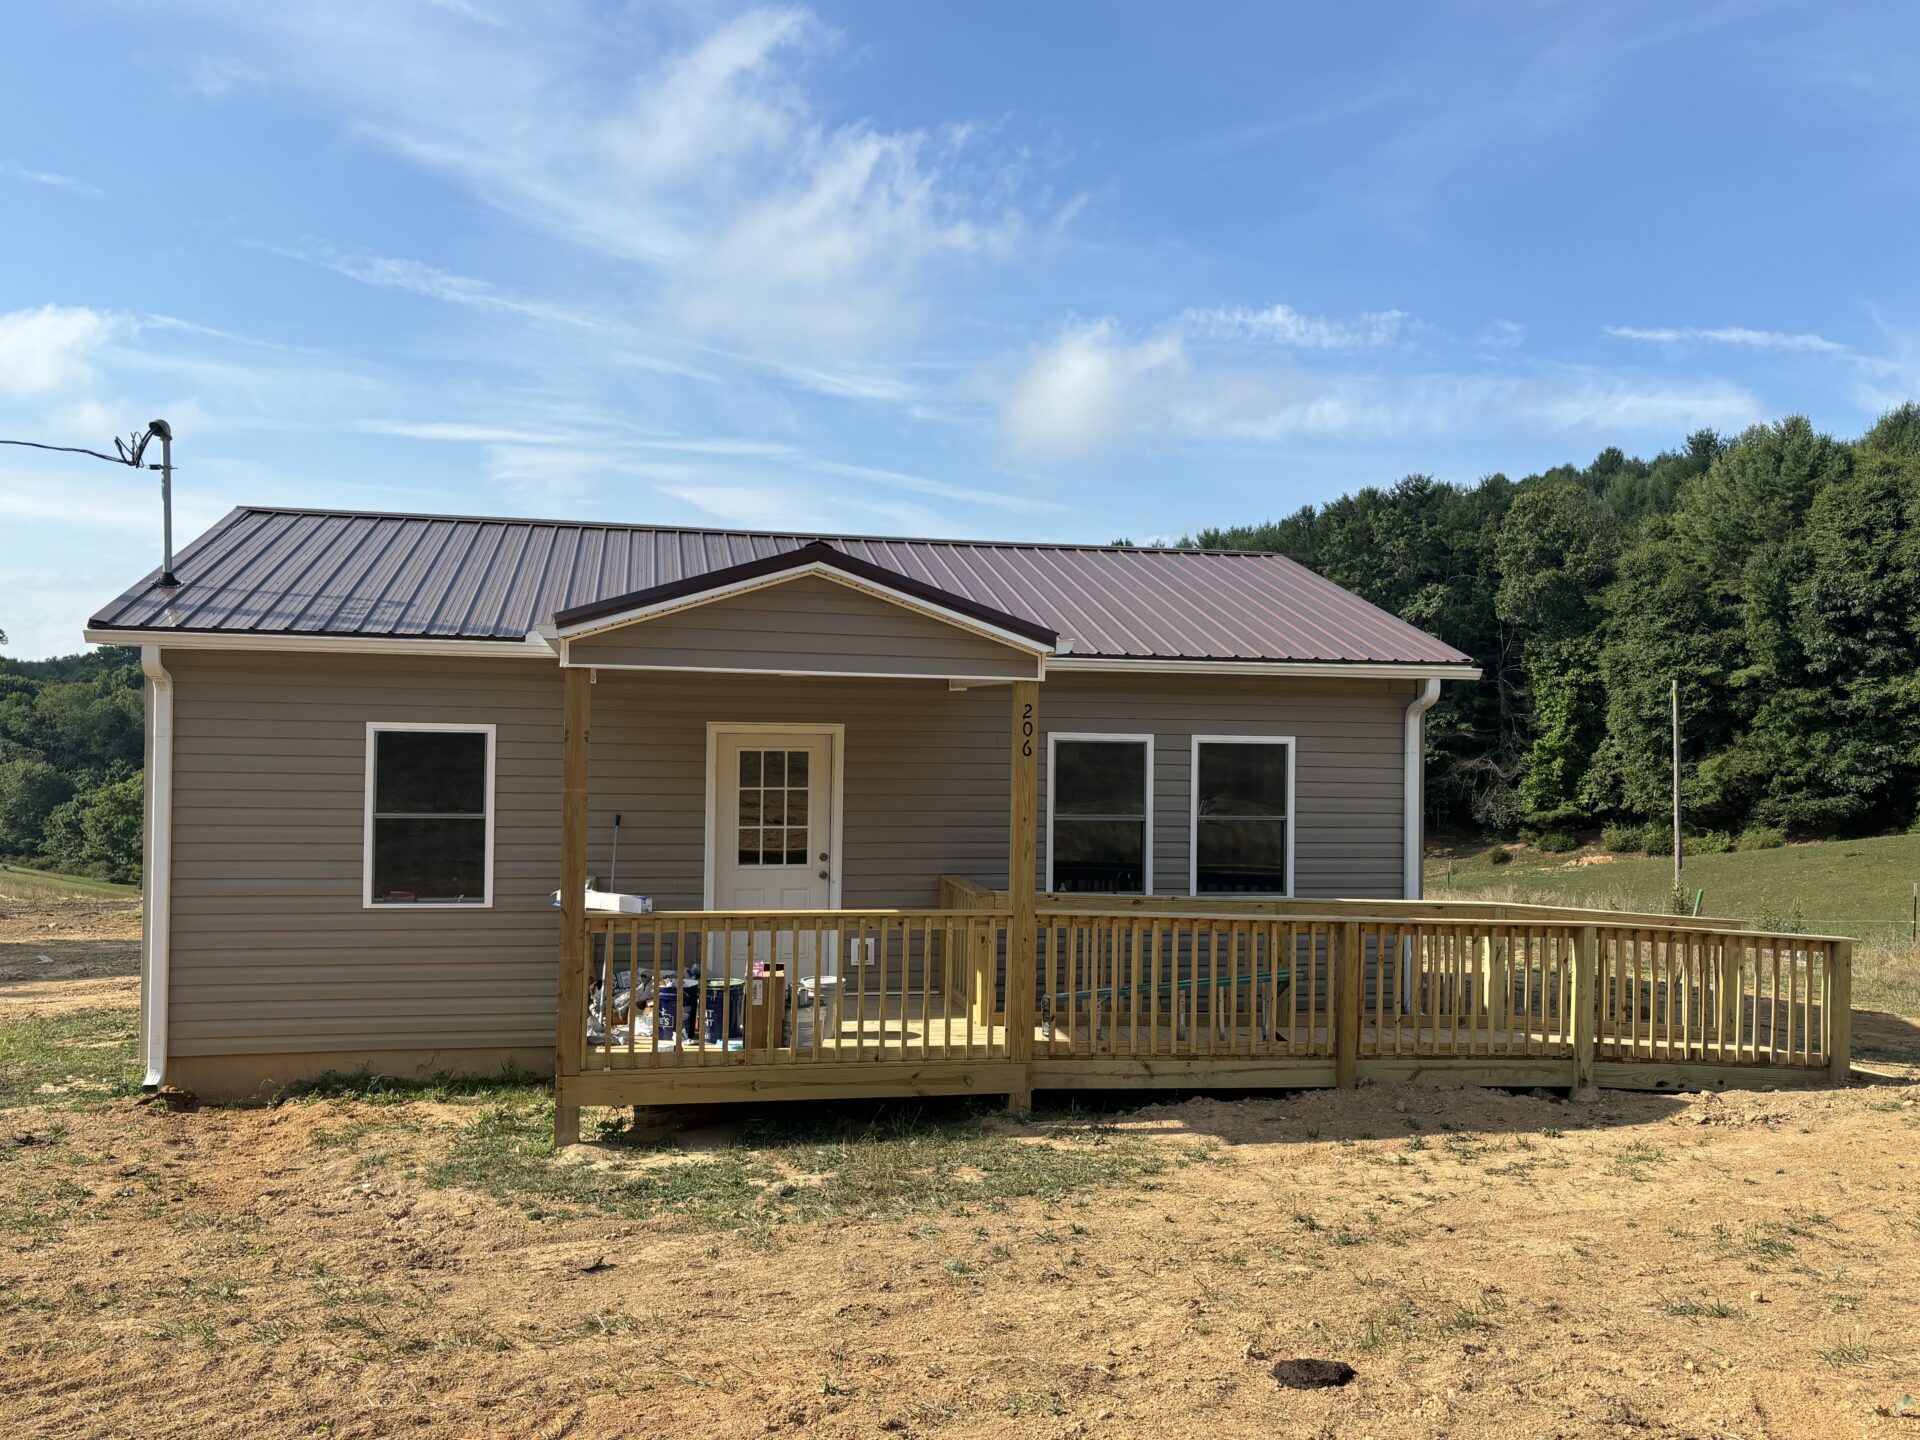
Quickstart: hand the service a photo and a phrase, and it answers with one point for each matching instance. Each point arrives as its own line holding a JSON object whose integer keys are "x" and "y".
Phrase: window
{"x": 429, "y": 834}
{"x": 773, "y": 807}
{"x": 1100, "y": 814}
{"x": 1242, "y": 815}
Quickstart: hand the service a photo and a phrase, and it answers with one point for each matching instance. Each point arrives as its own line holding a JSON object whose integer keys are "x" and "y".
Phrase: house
{"x": 823, "y": 815}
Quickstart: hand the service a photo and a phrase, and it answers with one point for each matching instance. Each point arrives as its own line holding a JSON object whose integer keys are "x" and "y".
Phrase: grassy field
{"x": 1861, "y": 888}
{"x": 19, "y": 882}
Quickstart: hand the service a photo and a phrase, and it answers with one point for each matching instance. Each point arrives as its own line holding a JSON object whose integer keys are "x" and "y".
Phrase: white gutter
{"x": 1412, "y": 789}
{"x": 157, "y": 894}
{"x": 533, "y": 647}
{"x": 1318, "y": 669}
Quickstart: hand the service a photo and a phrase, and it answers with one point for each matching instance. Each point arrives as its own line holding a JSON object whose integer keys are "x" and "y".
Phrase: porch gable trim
{"x": 816, "y": 559}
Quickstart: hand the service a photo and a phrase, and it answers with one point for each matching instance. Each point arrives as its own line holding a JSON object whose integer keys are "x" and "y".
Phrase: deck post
{"x": 1023, "y": 799}
{"x": 1840, "y": 1011}
{"x": 1347, "y": 998}
{"x": 1586, "y": 1011}
{"x": 570, "y": 1038}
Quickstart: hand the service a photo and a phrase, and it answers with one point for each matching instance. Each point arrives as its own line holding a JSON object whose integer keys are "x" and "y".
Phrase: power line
{"x": 71, "y": 450}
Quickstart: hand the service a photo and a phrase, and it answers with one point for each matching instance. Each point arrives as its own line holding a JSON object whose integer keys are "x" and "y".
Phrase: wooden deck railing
{"x": 1138, "y": 991}
{"x": 699, "y": 988}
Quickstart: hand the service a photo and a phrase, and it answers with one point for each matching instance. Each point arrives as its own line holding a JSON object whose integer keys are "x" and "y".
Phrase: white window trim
{"x": 374, "y": 727}
{"x": 1054, "y": 737}
{"x": 1193, "y": 812}
{"x": 837, "y": 747}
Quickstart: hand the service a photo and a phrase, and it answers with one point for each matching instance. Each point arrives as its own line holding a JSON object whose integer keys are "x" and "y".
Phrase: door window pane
{"x": 1098, "y": 791}
{"x": 774, "y": 807}
{"x": 429, "y": 818}
{"x": 1240, "y": 831}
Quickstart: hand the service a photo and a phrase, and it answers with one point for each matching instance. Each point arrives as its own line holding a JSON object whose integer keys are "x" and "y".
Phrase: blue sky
{"x": 1055, "y": 271}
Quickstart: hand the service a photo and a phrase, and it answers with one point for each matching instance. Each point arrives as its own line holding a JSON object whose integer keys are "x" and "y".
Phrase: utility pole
{"x": 132, "y": 452}
{"x": 1676, "y": 784}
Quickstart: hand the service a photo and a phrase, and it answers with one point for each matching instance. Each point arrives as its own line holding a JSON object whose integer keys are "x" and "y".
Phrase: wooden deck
{"x": 1181, "y": 994}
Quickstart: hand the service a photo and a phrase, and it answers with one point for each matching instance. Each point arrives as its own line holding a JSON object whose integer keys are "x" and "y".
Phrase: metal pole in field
{"x": 1676, "y": 784}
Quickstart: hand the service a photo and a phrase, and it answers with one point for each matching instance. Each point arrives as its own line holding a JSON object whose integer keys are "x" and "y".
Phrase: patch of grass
{"x": 824, "y": 1166}
{"x": 508, "y": 1086}
{"x": 80, "y": 1058}
{"x": 19, "y": 882}
{"x": 1632, "y": 1162}
{"x": 1862, "y": 888}
{"x": 1848, "y": 1355}
{"x": 1688, "y": 1307}
{"x": 1022, "y": 1403}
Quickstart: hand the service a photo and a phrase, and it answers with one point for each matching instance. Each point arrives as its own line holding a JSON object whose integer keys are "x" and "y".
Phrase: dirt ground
{"x": 1490, "y": 1264}
{"x": 67, "y": 954}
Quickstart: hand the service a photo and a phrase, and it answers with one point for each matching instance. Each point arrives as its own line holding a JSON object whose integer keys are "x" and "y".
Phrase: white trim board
{"x": 836, "y": 734}
{"x": 1116, "y": 737}
{"x": 1319, "y": 669}
{"x": 932, "y": 677}
{"x": 930, "y": 609}
{"x": 1193, "y": 811}
{"x": 541, "y": 646}
{"x": 374, "y": 727}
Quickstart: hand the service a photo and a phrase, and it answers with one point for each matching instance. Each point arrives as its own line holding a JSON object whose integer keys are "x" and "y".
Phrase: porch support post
{"x": 1023, "y": 800}
{"x": 570, "y": 1042}
{"x": 1348, "y": 969}
{"x": 1839, "y": 1011}
{"x": 1586, "y": 1010}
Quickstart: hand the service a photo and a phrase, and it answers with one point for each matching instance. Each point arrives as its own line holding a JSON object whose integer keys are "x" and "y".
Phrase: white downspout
{"x": 1413, "y": 790}
{"x": 158, "y": 891}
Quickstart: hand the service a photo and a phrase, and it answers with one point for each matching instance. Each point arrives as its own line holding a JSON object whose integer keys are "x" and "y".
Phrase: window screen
{"x": 1240, "y": 818}
{"x": 430, "y": 817}
{"x": 1098, "y": 791}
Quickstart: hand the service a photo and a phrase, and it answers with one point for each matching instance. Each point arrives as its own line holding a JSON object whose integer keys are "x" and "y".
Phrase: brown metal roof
{"x": 322, "y": 572}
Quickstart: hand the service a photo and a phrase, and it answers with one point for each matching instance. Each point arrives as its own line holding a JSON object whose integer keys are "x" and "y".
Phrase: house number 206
{"x": 1026, "y": 730}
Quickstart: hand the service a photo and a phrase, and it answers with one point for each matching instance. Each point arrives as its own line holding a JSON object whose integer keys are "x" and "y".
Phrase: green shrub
{"x": 1499, "y": 855}
{"x": 1621, "y": 839}
{"x": 1707, "y": 842}
{"x": 1557, "y": 842}
{"x": 1761, "y": 837}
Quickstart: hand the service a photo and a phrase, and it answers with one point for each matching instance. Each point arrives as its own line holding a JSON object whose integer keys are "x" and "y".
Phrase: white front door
{"x": 772, "y": 794}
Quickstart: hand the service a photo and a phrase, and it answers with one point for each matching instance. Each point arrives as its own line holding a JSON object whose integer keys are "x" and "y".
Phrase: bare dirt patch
{"x": 1489, "y": 1264}
{"x": 61, "y": 953}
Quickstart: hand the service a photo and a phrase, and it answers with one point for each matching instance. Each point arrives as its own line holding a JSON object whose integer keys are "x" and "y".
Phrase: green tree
{"x": 30, "y": 789}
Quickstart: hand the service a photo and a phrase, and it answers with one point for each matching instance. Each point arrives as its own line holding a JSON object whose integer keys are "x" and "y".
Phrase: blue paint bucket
{"x": 726, "y": 1006}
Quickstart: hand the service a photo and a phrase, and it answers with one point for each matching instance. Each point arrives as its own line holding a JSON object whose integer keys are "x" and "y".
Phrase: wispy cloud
{"x": 705, "y": 162}
{"x": 52, "y": 179}
{"x": 1095, "y": 388}
{"x": 214, "y": 77}
{"x": 1728, "y": 335}
{"x": 1283, "y": 325}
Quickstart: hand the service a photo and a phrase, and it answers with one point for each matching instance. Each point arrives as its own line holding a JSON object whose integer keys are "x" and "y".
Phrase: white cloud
{"x": 51, "y": 348}
{"x": 792, "y": 508}
{"x": 703, "y": 161}
{"x": 1285, "y": 326}
{"x": 1095, "y": 389}
{"x": 1502, "y": 335}
{"x": 1729, "y": 335}
{"x": 52, "y": 179}
{"x": 1083, "y": 392}
{"x": 214, "y": 77}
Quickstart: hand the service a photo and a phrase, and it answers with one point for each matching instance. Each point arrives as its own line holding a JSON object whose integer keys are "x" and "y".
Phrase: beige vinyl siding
{"x": 809, "y": 624}
{"x": 272, "y": 947}
{"x": 273, "y": 951}
{"x": 925, "y": 778}
{"x": 1348, "y": 739}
